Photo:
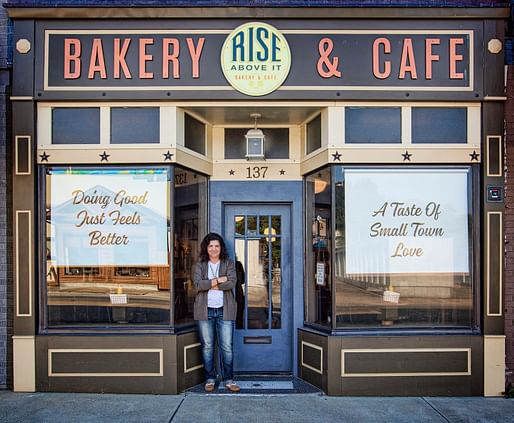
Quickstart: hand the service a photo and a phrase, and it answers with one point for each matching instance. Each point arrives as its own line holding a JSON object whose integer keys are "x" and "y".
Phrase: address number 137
{"x": 256, "y": 172}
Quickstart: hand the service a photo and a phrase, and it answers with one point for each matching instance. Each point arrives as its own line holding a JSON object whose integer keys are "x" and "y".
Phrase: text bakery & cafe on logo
{"x": 340, "y": 155}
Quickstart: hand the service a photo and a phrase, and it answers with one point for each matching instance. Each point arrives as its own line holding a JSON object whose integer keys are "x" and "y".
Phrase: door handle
{"x": 257, "y": 339}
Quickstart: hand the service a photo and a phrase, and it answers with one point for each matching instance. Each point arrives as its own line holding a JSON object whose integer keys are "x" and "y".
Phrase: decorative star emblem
{"x": 282, "y": 172}
{"x": 104, "y": 157}
{"x": 168, "y": 155}
{"x": 474, "y": 156}
{"x": 231, "y": 172}
{"x": 336, "y": 156}
{"x": 406, "y": 156}
{"x": 44, "y": 157}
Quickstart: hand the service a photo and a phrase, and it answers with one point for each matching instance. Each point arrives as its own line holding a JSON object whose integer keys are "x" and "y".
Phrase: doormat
{"x": 262, "y": 385}
{"x": 267, "y": 384}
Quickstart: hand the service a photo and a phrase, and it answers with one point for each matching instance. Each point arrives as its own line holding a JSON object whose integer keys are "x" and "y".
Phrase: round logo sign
{"x": 255, "y": 58}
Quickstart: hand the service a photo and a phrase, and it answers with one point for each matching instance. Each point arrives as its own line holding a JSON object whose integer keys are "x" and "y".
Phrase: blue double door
{"x": 259, "y": 236}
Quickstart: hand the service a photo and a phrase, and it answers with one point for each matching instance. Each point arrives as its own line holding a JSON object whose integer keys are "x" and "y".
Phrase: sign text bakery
{"x": 257, "y": 59}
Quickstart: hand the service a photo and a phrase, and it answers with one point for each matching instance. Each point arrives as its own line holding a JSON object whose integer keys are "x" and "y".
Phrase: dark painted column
{"x": 24, "y": 215}
{"x": 493, "y": 210}
{"x": 5, "y": 207}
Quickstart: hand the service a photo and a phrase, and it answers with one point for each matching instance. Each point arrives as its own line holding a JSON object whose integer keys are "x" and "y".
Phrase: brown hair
{"x": 212, "y": 236}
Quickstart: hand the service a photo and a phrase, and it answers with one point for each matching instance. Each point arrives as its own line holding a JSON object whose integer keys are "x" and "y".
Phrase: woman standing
{"x": 215, "y": 309}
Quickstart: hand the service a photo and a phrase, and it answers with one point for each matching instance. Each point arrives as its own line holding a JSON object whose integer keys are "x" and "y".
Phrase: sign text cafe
{"x": 257, "y": 59}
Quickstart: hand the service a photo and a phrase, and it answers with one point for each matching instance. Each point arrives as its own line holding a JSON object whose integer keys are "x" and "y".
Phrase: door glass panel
{"x": 263, "y": 225}
{"x": 252, "y": 225}
{"x": 258, "y": 300}
{"x": 275, "y": 224}
{"x": 258, "y": 256}
{"x": 239, "y": 225}
{"x": 276, "y": 283}
{"x": 240, "y": 258}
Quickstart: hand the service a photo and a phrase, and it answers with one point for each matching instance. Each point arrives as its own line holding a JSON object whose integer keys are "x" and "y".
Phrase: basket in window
{"x": 118, "y": 298}
{"x": 391, "y": 296}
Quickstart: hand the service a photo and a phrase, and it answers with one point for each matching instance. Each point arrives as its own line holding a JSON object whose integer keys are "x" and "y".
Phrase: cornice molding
{"x": 253, "y": 13}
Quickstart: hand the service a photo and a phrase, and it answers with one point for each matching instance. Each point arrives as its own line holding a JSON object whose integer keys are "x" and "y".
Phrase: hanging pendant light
{"x": 254, "y": 141}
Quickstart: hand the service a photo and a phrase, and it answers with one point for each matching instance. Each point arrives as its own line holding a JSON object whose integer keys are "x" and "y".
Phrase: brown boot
{"x": 232, "y": 387}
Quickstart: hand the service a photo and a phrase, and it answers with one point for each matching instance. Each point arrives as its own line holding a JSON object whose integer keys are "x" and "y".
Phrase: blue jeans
{"x": 215, "y": 328}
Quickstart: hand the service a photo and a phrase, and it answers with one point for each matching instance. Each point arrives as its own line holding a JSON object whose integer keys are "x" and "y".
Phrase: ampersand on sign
{"x": 325, "y": 47}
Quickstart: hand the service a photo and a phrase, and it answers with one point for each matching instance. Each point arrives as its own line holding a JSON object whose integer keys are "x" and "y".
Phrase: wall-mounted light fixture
{"x": 254, "y": 141}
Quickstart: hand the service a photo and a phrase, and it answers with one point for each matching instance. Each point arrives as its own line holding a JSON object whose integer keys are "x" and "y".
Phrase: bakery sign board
{"x": 258, "y": 59}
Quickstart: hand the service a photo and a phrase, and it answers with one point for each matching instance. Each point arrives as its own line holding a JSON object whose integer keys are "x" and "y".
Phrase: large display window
{"x": 190, "y": 207}
{"x": 401, "y": 255}
{"x": 108, "y": 244}
{"x": 319, "y": 290}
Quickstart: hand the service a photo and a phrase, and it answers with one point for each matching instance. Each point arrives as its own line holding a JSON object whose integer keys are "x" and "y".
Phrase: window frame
{"x": 83, "y": 144}
{"x": 122, "y": 107}
{"x": 167, "y": 115}
{"x": 474, "y": 211}
{"x": 398, "y": 108}
{"x": 473, "y": 115}
{"x": 43, "y": 324}
{"x": 433, "y": 143}
{"x": 187, "y": 325}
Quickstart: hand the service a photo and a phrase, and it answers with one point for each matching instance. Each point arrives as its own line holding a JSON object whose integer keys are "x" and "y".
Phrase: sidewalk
{"x": 299, "y": 408}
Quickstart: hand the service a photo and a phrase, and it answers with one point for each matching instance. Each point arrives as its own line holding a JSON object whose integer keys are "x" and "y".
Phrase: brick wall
{"x": 509, "y": 221}
{"x": 5, "y": 214}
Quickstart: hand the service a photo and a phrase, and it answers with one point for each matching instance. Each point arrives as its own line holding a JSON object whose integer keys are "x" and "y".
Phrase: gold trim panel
{"x": 499, "y": 155}
{"x": 191, "y": 369}
{"x": 108, "y": 350}
{"x": 488, "y": 265}
{"x": 409, "y": 350}
{"x": 29, "y": 154}
{"x": 316, "y": 347}
{"x": 28, "y": 260}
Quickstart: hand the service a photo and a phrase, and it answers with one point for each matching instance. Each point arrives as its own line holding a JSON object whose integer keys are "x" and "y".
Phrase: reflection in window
{"x": 319, "y": 284}
{"x": 439, "y": 125}
{"x": 314, "y": 134}
{"x": 107, "y": 254}
{"x": 194, "y": 134}
{"x": 190, "y": 227}
{"x": 403, "y": 250}
{"x": 135, "y": 125}
{"x": 258, "y": 262}
{"x": 76, "y": 125}
{"x": 373, "y": 125}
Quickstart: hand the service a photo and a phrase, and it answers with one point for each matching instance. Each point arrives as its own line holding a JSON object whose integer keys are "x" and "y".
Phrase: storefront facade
{"x": 353, "y": 165}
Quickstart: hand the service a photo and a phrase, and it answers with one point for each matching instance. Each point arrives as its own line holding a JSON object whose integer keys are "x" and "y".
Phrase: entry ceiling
{"x": 237, "y": 115}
